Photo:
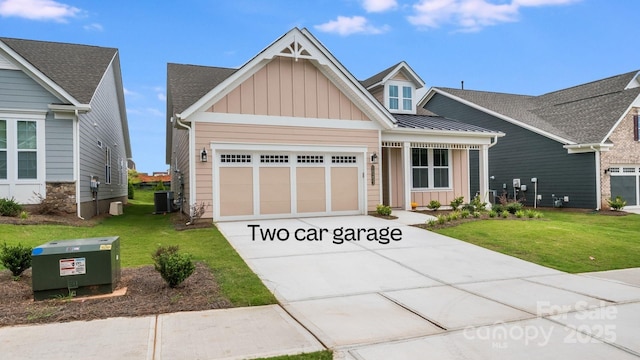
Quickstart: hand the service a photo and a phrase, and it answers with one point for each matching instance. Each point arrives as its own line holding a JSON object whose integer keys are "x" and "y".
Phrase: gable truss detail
{"x": 295, "y": 50}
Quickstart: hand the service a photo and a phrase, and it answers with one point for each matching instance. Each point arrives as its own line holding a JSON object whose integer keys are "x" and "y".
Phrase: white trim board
{"x": 224, "y": 118}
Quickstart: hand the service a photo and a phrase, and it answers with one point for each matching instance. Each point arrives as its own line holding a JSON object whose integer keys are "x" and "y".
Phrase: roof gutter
{"x": 445, "y": 132}
{"x": 77, "y": 109}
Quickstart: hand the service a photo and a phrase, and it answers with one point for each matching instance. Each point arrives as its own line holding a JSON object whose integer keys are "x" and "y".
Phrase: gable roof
{"x": 78, "y": 69}
{"x": 186, "y": 84}
{"x": 384, "y": 75}
{"x": 583, "y": 114}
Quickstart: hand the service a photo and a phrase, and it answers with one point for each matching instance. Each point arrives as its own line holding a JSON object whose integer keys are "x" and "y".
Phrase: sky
{"x": 514, "y": 46}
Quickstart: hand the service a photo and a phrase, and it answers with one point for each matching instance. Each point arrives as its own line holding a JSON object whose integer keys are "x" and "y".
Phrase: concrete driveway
{"x": 380, "y": 289}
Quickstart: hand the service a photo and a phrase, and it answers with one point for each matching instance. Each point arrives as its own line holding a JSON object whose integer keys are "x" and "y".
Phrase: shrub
{"x": 383, "y": 210}
{"x": 504, "y": 214}
{"x": 465, "y": 213}
{"x": 131, "y": 192}
{"x": 455, "y": 203}
{"x": 454, "y": 216}
{"x": 538, "y": 215}
{"x": 513, "y": 207}
{"x": 431, "y": 222}
{"x": 24, "y": 215}
{"x": 519, "y": 214}
{"x": 475, "y": 205}
{"x": 197, "y": 210}
{"x": 493, "y": 213}
{"x": 15, "y": 258}
{"x": 498, "y": 208}
{"x": 441, "y": 219}
{"x": 530, "y": 214}
{"x": 9, "y": 207}
{"x": 617, "y": 203}
{"x": 173, "y": 266}
{"x": 159, "y": 186}
{"x": 434, "y": 205}
{"x": 477, "y": 214}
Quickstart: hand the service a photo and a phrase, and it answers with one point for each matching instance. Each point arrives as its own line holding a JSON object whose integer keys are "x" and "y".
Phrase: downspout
{"x": 598, "y": 179}
{"x": 191, "y": 162}
{"x": 77, "y": 155}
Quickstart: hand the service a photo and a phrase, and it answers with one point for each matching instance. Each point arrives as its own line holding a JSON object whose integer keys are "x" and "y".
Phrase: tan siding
{"x": 285, "y": 87}
{"x": 379, "y": 94}
{"x": 400, "y": 76}
{"x": 208, "y": 132}
{"x": 397, "y": 178}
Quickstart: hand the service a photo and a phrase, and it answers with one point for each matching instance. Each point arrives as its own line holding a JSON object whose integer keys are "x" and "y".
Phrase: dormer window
{"x": 400, "y": 97}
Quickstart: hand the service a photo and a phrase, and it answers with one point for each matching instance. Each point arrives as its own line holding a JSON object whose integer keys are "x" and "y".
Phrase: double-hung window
{"x": 430, "y": 168}
{"x": 27, "y": 149}
{"x": 107, "y": 166}
{"x": 400, "y": 97}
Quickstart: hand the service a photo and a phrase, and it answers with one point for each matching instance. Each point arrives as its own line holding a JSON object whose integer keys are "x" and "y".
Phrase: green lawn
{"x": 141, "y": 233}
{"x": 562, "y": 240}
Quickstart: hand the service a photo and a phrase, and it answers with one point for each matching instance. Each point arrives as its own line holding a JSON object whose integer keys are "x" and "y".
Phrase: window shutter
{"x": 635, "y": 127}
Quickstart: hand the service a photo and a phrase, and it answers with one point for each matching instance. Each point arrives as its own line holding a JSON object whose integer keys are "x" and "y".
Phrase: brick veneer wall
{"x": 625, "y": 151}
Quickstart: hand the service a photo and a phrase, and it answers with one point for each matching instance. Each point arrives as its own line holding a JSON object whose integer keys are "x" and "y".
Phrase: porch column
{"x": 483, "y": 173}
{"x": 406, "y": 167}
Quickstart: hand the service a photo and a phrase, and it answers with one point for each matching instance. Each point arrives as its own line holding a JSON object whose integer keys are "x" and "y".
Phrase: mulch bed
{"x": 147, "y": 294}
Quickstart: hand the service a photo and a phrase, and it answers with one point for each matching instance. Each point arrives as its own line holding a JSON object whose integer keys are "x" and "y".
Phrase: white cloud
{"x": 162, "y": 97}
{"x": 38, "y": 10}
{"x": 351, "y": 25}
{"x": 94, "y": 27}
{"x": 379, "y": 5}
{"x": 473, "y": 15}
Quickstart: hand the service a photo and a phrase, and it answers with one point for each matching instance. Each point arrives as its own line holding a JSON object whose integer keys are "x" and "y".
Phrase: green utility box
{"x": 76, "y": 267}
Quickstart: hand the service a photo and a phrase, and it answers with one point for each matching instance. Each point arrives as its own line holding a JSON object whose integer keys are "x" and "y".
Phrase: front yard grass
{"x": 141, "y": 233}
{"x": 568, "y": 241}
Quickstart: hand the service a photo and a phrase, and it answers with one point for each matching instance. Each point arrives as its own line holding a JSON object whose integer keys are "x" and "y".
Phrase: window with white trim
{"x": 107, "y": 165}
{"x": 343, "y": 159}
{"x": 400, "y": 97}
{"x": 310, "y": 159}
{"x": 430, "y": 168}
{"x": 274, "y": 159}
{"x": 26, "y": 134}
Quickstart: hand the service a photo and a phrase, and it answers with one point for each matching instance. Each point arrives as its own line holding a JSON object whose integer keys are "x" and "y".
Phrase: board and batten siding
{"x": 523, "y": 154}
{"x": 265, "y": 134}
{"x": 103, "y": 123}
{"x": 180, "y": 165}
{"x": 285, "y": 87}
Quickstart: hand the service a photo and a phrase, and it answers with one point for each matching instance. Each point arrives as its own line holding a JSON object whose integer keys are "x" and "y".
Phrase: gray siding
{"x": 19, "y": 91}
{"x": 59, "y": 149}
{"x": 103, "y": 123}
{"x": 524, "y": 154}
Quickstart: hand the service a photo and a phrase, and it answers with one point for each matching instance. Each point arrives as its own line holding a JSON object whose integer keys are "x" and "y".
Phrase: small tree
{"x": 15, "y": 258}
{"x": 159, "y": 186}
{"x": 131, "y": 192}
{"x": 457, "y": 202}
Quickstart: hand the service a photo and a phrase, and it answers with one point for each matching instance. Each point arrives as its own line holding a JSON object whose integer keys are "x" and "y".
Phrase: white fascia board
{"x": 413, "y": 77}
{"x": 70, "y": 108}
{"x": 501, "y": 116}
{"x": 385, "y": 116}
{"x": 586, "y": 148}
{"x": 635, "y": 103}
{"x": 325, "y": 61}
{"x": 38, "y": 76}
{"x": 451, "y": 138}
{"x": 224, "y": 118}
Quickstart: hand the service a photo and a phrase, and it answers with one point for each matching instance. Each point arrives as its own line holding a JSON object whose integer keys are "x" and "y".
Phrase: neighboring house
{"x": 580, "y": 144}
{"x": 151, "y": 181}
{"x": 292, "y": 133}
{"x": 62, "y": 122}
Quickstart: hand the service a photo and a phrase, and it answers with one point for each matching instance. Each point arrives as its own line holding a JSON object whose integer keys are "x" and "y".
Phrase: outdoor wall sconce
{"x": 374, "y": 158}
{"x": 203, "y": 155}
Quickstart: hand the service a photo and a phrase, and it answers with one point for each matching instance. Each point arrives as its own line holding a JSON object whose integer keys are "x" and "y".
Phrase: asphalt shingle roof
{"x": 186, "y": 84}
{"x": 437, "y": 123}
{"x": 581, "y": 114}
{"x": 378, "y": 77}
{"x": 76, "y": 68}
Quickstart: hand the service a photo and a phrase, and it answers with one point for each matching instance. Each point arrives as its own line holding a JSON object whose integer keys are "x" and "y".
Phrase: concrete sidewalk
{"x": 261, "y": 331}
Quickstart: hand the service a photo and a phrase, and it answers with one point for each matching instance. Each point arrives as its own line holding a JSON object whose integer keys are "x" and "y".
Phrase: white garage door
{"x": 272, "y": 184}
